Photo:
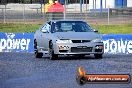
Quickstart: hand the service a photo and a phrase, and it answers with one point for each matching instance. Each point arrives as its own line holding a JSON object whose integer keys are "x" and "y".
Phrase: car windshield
{"x": 71, "y": 26}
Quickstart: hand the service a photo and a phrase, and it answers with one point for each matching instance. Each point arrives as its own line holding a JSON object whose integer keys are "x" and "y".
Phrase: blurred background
{"x": 92, "y": 11}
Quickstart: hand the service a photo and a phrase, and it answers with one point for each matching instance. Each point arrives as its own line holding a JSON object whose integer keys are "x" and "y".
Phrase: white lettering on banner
{"x": 3, "y": 44}
{"x": 14, "y": 44}
{"x": 123, "y": 46}
{"x": 23, "y": 43}
{"x": 106, "y": 46}
{"x": 28, "y": 41}
{"x": 113, "y": 43}
{"x": 129, "y": 47}
{"x": 113, "y": 46}
{"x": 9, "y": 43}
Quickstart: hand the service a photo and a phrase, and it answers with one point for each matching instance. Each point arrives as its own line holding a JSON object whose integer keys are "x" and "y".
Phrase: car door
{"x": 45, "y": 36}
{"x": 37, "y": 36}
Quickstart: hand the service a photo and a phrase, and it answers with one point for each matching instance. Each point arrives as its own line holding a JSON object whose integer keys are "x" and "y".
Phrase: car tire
{"x": 37, "y": 54}
{"x": 98, "y": 56}
{"x": 51, "y": 52}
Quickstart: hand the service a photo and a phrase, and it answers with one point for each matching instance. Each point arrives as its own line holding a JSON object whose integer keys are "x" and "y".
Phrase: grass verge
{"x": 104, "y": 29}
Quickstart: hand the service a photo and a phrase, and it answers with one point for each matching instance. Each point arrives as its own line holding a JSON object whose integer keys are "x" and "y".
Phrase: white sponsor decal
{"x": 10, "y": 43}
{"x": 113, "y": 46}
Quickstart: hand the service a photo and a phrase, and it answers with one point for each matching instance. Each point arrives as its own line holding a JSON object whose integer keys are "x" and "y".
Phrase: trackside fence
{"x": 35, "y": 13}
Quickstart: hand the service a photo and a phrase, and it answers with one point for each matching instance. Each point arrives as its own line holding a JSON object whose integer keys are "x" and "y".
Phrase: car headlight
{"x": 97, "y": 40}
{"x": 63, "y": 41}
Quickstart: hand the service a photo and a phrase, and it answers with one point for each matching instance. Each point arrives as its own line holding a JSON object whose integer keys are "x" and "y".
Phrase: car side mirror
{"x": 95, "y": 30}
{"x": 44, "y": 31}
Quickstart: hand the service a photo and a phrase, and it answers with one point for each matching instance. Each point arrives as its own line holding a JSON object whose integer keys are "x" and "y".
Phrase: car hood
{"x": 76, "y": 35}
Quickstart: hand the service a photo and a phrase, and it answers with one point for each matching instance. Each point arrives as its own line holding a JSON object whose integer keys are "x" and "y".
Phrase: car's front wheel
{"x": 51, "y": 52}
{"x": 37, "y": 54}
{"x": 98, "y": 56}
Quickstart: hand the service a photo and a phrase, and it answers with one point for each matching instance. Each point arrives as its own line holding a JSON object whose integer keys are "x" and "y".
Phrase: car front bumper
{"x": 78, "y": 48}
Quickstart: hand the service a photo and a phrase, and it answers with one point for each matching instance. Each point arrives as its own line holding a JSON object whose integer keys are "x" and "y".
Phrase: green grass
{"x": 104, "y": 29}
{"x": 19, "y": 27}
{"x": 114, "y": 29}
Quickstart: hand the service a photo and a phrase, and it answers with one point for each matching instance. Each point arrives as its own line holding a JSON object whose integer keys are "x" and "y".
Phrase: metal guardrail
{"x": 126, "y": 10}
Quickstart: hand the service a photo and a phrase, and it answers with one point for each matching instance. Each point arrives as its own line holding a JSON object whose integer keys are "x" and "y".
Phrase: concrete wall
{"x": 110, "y": 3}
{"x": 16, "y": 6}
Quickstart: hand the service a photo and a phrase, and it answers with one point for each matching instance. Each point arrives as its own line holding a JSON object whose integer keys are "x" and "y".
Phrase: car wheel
{"x": 37, "y": 54}
{"x": 98, "y": 56}
{"x": 51, "y": 52}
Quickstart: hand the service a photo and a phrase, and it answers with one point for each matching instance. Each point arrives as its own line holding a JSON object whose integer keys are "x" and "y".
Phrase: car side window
{"x": 43, "y": 27}
{"x": 46, "y": 27}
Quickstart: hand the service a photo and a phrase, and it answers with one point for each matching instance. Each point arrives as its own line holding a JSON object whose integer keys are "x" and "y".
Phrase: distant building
{"x": 105, "y": 3}
{"x": 97, "y": 4}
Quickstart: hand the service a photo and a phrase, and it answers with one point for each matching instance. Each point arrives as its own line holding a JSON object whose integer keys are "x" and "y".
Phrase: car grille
{"x": 63, "y": 51}
{"x": 80, "y": 41}
{"x": 76, "y": 49}
{"x": 98, "y": 50}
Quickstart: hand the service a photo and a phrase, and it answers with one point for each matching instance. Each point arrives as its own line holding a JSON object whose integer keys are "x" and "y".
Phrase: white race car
{"x": 67, "y": 37}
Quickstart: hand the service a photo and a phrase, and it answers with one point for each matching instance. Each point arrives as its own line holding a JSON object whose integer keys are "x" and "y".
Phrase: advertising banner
{"x": 117, "y": 43}
{"x": 23, "y": 42}
{"x": 16, "y": 42}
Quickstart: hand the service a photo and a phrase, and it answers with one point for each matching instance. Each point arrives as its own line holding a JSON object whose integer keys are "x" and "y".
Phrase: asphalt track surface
{"x": 23, "y": 70}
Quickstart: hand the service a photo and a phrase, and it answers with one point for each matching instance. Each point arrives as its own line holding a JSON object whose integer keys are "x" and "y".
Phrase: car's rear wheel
{"x": 51, "y": 52}
{"x": 37, "y": 54}
{"x": 98, "y": 56}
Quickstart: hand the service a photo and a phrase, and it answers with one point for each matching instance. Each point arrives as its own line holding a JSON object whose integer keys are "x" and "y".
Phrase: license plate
{"x": 82, "y": 47}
